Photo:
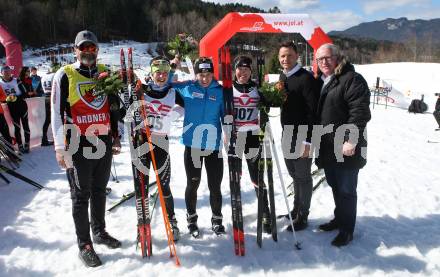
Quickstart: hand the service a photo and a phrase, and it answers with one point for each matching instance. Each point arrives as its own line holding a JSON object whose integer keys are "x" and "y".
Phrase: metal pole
{"x": 277, "y": 162}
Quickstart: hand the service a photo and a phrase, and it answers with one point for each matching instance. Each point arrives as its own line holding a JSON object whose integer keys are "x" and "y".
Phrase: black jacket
{"x": 437, "y": 104}
{"x": 344, "y": 100}
{"x": 302, "y": 98}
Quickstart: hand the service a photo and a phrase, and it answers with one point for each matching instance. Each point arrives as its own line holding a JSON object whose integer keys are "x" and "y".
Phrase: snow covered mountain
{"x": 397, "y": 30}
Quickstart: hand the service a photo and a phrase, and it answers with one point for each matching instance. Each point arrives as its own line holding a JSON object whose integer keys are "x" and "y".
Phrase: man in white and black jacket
{"x": 344, "y": 107}
{"x": 87, "y": 125}
{"x": 297, "y": 119}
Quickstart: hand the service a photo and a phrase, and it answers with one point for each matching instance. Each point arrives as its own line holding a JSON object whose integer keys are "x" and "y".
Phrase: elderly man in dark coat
{"x": 343, "y": 107}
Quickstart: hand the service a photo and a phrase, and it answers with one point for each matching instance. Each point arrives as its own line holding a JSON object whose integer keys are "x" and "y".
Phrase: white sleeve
{"x": 176, "y": 112}
{"x": 57, "y": 124}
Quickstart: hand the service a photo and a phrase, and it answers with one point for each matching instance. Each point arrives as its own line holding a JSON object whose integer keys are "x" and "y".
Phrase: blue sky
{"x": 340, "y": 15}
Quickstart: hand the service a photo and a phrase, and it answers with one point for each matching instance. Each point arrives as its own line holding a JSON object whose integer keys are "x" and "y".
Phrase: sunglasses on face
{"x": 87, "y": 48}
{"x": 160, "y": 62}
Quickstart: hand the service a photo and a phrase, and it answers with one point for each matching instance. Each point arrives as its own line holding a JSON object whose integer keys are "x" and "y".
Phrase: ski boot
{"x": 174, "y": 228}
{"x": 192, "y": 225}
{"x": 217, "y": 225}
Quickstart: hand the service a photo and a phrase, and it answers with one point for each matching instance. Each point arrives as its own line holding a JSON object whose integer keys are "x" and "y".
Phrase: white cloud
{"x": 289, "y": 5}
{"x": 336, "y": 21}
{"x": 373, "y": 6}
{"x": 428, "y": 13}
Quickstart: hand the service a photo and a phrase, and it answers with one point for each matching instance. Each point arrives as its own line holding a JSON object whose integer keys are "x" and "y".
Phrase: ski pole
{"x": 277, "y": 162}
{"x": 115, "y": 176}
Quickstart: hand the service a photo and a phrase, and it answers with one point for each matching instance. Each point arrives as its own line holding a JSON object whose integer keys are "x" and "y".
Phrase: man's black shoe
{"x": 343, "y": 238}
{"x": 46, "y": 143}
{"x": 329, "y": 226}
{"x": 293, "y": 214}
{"x": 106, "y": 239}
{"x": 89, "y": 257}
{"x": 299, "y": 225}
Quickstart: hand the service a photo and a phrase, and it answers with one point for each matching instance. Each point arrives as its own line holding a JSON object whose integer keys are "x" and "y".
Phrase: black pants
{"x": 437, "y": 117}
{"x": 343, "y": 182}
{"x": 19, "y": 114}
{"x": 4, "y": 129}
{"x": 193, "y": 160}
{"x": 47, "y": 119}
{"x": 248, "y": 143}
{"x": 163, "y": 163}
{"x": 88, "y": 181}
{"x": 300, "y": 171}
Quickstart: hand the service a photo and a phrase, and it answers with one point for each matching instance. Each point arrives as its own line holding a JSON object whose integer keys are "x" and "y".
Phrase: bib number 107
{"x": 243, "y": 113}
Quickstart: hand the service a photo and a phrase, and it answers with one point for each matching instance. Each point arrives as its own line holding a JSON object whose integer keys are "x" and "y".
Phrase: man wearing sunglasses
{"x": 343, "y": 105}
{"x": 161, "y": 100}
{"x": 86, "y": 135}
{"x": 204, "y": 112}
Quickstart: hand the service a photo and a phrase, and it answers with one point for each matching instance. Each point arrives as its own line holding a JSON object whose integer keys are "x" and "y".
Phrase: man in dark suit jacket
{"x": 344, "y": 106}
{"x": 297, "y": 119}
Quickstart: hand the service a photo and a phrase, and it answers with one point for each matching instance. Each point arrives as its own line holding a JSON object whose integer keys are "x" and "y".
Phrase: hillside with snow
{"x": 398, "y": 223}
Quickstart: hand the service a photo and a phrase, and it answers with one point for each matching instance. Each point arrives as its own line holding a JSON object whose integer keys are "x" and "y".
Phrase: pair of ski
{"x": 139, "y": 134}
{"x": 233, "y": 160}
{"x": 8, "y": 154}
{"x": 265, "y": 162}
{"x": 130, "y": 195}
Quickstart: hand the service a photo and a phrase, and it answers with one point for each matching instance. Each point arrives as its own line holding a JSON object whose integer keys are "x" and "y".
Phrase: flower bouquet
{"x": 274, "y": 93}
{"x": 107, "y": 83}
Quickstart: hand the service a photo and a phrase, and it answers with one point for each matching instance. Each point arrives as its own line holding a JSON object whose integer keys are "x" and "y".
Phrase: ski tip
{"x": 298, "y": 246}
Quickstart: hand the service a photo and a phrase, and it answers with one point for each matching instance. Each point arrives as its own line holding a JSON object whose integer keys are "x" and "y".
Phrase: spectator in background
{"x": 437, "y": 111}
{"x": 15, "y": 95}
{"x": 36, "y": 82}
{"x": 25, "y": 79}
{"x": 4, "y": 128}
{"x": 46, "y": 82}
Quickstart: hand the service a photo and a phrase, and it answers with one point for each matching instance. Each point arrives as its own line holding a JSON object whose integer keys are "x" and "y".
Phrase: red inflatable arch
{"x": 12, "y": 46}
{"x": 235, "y": 22}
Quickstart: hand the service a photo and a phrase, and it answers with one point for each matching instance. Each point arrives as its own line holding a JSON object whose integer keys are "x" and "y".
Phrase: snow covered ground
{"x": 397, "y": 232}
